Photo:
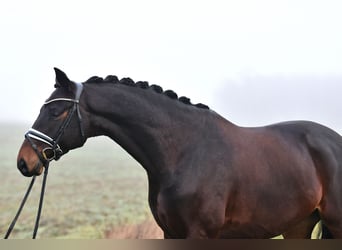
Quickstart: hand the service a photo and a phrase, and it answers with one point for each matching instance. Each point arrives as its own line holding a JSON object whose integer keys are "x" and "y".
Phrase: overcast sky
{"x": 254, "y": 62}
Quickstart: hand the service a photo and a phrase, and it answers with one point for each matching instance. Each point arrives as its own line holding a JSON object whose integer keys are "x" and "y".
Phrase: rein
{"x": 20, "y": 208}
{"x": 52, "y": 152}
{"x": 22, "y": 204}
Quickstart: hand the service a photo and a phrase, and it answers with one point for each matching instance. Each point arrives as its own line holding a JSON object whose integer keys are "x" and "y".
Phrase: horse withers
{"x": 208, "y": 178}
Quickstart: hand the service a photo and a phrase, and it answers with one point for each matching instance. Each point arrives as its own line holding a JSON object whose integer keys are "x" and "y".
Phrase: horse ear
{"x": 61, "y": 79}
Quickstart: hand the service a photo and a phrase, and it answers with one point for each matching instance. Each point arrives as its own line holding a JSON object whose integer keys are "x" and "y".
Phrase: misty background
{"x": 254, "y": 62}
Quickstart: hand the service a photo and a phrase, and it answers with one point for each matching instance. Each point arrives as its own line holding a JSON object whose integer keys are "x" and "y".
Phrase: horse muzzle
{"x": 35, "y": 153}
{"x": 24, "y": 169}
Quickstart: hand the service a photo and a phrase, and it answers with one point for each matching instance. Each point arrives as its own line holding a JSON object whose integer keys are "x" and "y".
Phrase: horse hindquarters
{"x": 326, "y": 151}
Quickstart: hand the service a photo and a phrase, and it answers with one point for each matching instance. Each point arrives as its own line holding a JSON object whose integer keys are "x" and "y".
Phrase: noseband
{"x": 53, "y": 151}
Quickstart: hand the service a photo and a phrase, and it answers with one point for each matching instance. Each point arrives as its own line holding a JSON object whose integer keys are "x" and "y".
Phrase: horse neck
{"x": 151, "y": 127}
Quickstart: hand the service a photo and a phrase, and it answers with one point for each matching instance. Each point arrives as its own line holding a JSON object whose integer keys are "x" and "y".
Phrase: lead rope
{"x": 24, "y": 201}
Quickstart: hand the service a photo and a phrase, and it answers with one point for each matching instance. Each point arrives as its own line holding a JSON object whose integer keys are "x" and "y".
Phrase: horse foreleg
{"x": 303, "y": 229}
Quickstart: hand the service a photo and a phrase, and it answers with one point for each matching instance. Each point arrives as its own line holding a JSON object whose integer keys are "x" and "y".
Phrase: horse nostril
{"x": 22, "y": 166}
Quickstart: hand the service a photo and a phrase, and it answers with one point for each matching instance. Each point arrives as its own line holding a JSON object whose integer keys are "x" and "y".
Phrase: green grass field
{"x": 89, "y": 191}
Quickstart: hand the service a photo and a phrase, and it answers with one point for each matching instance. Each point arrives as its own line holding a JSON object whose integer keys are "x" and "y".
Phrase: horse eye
{"x": 54, "y": 112}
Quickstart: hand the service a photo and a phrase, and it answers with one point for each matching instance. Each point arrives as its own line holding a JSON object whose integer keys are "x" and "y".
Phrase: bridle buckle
{"x": 50, "y": 154}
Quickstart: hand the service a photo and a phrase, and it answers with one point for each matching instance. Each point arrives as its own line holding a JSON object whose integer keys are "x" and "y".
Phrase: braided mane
{"x": 144, "y": 85}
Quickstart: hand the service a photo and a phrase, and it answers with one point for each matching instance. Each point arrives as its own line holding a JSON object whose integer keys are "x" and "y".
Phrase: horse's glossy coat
{"x": 208, "y": 178}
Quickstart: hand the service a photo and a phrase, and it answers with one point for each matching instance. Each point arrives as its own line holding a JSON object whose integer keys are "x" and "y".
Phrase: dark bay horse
{"x": 208, "y": 178}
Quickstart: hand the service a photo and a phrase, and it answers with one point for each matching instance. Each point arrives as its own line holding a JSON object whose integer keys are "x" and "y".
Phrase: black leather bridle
{"x": 53, "y": 151}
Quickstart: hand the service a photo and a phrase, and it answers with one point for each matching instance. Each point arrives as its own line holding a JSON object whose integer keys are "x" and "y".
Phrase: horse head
{"x": 58, "y": 128}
